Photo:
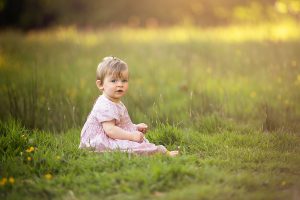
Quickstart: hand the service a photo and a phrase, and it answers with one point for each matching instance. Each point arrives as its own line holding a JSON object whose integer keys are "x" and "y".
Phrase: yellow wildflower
{"x": 58, "y": 157}
{"x": 3, "y": 181}
{"x": 29, "y": 158}
{"x": 48, "y": 176}
{"x": 30, "y": 149}
{"x": 11, "y": 180}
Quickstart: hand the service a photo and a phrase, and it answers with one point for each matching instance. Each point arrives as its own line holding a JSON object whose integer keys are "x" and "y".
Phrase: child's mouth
{"x": 119, "y": 90}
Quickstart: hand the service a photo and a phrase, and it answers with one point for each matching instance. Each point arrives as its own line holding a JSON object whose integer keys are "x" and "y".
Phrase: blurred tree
{"x": 10, "y": 11}
{"x": 27, "y": 14}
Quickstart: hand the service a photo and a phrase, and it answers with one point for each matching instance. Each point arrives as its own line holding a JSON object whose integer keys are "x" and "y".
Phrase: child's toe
{"x": 173, "y": 153}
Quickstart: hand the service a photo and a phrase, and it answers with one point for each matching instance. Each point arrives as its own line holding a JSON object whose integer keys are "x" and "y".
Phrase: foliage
{"x": 28, "y": 14}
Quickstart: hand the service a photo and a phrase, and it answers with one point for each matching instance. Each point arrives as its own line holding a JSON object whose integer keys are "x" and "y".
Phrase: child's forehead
{"x": 118, "y": 74}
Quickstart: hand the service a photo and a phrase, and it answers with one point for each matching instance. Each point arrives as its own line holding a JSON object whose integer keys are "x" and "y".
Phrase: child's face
{"x": 115, "y": 87}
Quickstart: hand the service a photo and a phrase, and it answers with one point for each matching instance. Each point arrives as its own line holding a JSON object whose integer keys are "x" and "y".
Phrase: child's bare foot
{"x": 172, "y": 153}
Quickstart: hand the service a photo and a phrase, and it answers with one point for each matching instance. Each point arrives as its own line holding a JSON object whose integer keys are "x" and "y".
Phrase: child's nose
{"x": 119, "y": 83}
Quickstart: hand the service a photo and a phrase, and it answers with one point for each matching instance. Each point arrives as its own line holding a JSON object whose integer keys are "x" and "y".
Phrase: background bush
{"x": 27, "y": 14}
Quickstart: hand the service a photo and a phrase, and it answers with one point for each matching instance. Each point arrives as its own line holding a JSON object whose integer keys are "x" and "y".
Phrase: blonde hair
{"x": 110, "y": 66}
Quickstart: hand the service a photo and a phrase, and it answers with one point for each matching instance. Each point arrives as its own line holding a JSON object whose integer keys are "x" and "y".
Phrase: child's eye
{"x": 113, "y": 81}
{"x": 125, "y": 81}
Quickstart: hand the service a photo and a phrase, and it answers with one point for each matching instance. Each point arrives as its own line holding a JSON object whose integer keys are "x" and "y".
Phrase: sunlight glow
{"x": 285, "y": 31}
{"x": 67, "y": 34}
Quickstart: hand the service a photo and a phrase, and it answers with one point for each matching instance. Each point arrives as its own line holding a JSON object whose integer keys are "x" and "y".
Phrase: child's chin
{"x": 121, "y": 94}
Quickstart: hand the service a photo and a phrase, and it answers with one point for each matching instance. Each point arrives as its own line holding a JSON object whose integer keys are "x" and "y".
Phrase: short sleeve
{"x": 108, "y": 113}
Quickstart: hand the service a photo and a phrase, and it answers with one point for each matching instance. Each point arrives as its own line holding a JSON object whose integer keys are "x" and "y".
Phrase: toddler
{"x": 108, "y": 126}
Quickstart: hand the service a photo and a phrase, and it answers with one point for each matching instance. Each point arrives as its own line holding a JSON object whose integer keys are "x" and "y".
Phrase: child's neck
{"x": 112, "y": 99}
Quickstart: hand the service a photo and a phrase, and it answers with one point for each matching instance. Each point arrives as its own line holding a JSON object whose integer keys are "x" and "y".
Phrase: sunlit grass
{"x": 281, "y": 31}
{"x": 238, "y": 73}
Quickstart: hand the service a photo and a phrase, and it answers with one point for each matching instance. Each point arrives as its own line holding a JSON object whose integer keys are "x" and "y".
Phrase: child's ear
{"x": 99, "y": 85}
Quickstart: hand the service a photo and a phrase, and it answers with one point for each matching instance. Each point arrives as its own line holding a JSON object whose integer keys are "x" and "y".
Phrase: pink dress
{"x": 94, "y": 137}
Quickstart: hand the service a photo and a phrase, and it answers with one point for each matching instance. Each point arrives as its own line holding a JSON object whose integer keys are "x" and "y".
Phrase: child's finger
{"x": 144, "y": 125}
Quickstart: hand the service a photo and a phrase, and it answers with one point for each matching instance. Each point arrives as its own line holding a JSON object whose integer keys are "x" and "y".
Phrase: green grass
{"x": 227, "y": 97}
{"x": 245, "y": 75}
{"x": 225, "y": 165}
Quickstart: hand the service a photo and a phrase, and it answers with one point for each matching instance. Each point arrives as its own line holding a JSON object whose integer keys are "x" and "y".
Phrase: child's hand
{"x": 142, "y": 127}
{"x": 137, "y": 136}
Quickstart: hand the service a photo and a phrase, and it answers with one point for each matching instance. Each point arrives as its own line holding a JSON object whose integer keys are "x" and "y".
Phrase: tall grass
{"x": 235, "y": 76}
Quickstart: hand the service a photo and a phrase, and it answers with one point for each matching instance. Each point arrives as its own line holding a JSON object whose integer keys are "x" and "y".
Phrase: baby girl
{"x": 108, "y": 126}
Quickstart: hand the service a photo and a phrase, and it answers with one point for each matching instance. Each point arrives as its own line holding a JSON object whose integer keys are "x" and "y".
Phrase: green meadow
{"x": 227, "y": 98}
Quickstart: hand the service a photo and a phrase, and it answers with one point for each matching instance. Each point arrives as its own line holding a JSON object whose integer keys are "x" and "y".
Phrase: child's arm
{"x": 116, "y": 132}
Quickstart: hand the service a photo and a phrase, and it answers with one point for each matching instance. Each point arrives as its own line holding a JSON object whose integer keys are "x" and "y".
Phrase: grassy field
{"x": 244, "y": 75}
{"x": 226, "y": 165}
{"x": 228, "y": 97}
